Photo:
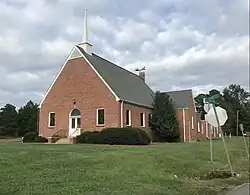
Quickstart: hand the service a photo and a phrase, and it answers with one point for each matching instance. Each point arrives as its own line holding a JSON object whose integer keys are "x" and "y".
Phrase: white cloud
{"x": 183, "y": 44}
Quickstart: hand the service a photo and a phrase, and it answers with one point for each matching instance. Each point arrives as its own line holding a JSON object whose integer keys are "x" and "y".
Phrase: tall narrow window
{"x": 128, "y": 118}
{"x": 149, "y": 118}
{"x": 142, "y": 119}
{"x": 100, "y": 116}
{"x": 52, "y": 119}
{"x": 199, "y": 129}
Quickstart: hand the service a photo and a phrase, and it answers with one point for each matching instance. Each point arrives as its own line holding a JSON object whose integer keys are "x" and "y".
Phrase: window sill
{"x": 51, "y": 127}
{"x": 102, "y": 125}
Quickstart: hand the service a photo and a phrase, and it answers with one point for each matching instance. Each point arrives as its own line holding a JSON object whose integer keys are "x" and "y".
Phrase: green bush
{"x": 33, "y": 137}
{"x": 41, "y": 139}
{"x": 116, "y": 136}
{"x": 30, "y": 137}
{"x": 89, "y": 137}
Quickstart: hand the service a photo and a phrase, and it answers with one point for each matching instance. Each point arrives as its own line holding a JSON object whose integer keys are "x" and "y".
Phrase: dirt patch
{"x": 216, "y": 174}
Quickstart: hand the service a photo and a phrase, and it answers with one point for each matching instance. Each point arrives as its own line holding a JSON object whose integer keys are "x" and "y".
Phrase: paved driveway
{"x": 240, "y": 190}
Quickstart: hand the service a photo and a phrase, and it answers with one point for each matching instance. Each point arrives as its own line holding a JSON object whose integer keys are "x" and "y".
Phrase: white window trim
{"x": 50, "y": 118}
{"x": 202, "y": 127}
{"x": 199, "y": 127}
{"x": 97, "y": 116}
{"x": 192, "y": 123}
{"x": 143, "y": 119}
{"x": 129, "y": 118}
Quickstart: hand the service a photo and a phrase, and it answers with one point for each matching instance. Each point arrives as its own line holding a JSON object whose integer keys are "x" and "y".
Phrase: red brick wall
{"x": 78, "y": 82}
{"x": 202, "y": 133}
{"x": 190, "y": 134}
{"x": 179, "y": 115}
{"x": 135, "y": 115}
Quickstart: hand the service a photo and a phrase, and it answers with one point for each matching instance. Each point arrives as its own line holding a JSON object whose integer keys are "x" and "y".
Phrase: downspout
{"x": 184, "y": 125}
{"x": 121, "y": 113}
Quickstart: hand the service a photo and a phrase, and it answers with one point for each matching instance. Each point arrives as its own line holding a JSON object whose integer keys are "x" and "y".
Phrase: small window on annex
{"x": 128, "y": 118}
{"x": 142, "y": 119}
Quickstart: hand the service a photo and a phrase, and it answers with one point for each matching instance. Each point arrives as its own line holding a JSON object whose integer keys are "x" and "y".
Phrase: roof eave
{"x": 136, "y": 103}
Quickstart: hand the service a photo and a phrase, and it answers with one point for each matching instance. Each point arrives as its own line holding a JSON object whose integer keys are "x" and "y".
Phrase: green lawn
{"x": 146, "y": 170}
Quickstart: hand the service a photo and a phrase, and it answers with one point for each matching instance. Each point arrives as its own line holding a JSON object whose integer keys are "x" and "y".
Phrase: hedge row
{"x": 115, "y": 136}
{"x": 33, "y": 137}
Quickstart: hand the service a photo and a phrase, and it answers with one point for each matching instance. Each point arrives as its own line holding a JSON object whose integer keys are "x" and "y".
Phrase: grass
{"x": 7, "y": 137}
{"x": 118, "y": 170}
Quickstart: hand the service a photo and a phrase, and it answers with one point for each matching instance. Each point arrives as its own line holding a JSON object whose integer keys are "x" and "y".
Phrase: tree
{"x": 200, "y": 105}
{"x": 233, "y": 98}
{"x": 237, "y": 100}
{"x": 27, "y": 118}
{"x": 164, "y": 123}
{"x": 199, "y": 101}
{"x": 8, "y": 120}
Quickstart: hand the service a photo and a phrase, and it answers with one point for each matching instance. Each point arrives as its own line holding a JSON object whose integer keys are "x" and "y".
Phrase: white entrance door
{"x": 74, "y": 123}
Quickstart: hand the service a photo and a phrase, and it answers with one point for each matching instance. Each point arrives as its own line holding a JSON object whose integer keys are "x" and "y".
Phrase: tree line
{"x": 234, "y": 99}
{"x": 16, "y": 122}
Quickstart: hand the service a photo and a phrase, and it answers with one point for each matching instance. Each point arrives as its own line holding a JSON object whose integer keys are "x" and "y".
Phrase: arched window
{"x": 75, "y": 112}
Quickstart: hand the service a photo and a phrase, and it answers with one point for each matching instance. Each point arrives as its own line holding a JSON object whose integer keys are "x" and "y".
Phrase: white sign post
{"x": 218, "y": 117}
{"x": 207, "y": 107}
{"x": 242, "y": 131}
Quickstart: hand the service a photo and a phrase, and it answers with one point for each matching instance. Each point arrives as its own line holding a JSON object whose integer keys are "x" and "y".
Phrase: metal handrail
{"x": 57, "y": 132}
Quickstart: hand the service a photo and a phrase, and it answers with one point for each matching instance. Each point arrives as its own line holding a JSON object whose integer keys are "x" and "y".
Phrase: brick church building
{"x": 91, "y": 93}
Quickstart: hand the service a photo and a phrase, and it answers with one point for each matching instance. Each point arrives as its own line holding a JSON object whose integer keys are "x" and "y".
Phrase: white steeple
{"x": 85, "y": 43}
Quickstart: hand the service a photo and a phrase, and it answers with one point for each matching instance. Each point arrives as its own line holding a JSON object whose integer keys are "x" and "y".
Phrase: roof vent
{"x": 142, "y": 75}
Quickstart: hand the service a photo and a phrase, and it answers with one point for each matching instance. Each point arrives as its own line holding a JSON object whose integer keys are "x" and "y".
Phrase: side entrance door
{"x": 74, "y": 123}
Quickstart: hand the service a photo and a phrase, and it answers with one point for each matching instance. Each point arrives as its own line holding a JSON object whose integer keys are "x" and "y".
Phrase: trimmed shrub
{"x": 33, "y": 137}
{"x": 41, "y": 139}
{"x": 145, "y": 137}
{"x": 30, "y": 137}
{"x": 90, "y": 137}
{"x": 116, "y": 136}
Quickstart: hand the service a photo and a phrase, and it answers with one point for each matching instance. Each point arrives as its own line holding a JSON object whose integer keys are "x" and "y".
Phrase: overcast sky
{"x": 198, "y": 44}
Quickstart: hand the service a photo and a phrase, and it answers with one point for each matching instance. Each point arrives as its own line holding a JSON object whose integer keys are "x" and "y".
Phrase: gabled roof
{"x": 127, "y": 86}
{"x": 181, "y": 98}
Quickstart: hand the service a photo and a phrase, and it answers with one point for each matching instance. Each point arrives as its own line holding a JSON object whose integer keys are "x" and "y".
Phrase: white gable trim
{"x": 116, "y": 97}
{"x": 68, "y": 58}
{"x": 75, "y": 54}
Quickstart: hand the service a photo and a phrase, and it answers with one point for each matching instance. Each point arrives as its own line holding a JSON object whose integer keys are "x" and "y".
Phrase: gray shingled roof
{"x": 125, "y": 84}
{"x": 180, "y": 98}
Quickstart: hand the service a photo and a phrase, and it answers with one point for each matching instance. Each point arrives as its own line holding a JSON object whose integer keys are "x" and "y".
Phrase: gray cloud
{"x": 183, "y": 44}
